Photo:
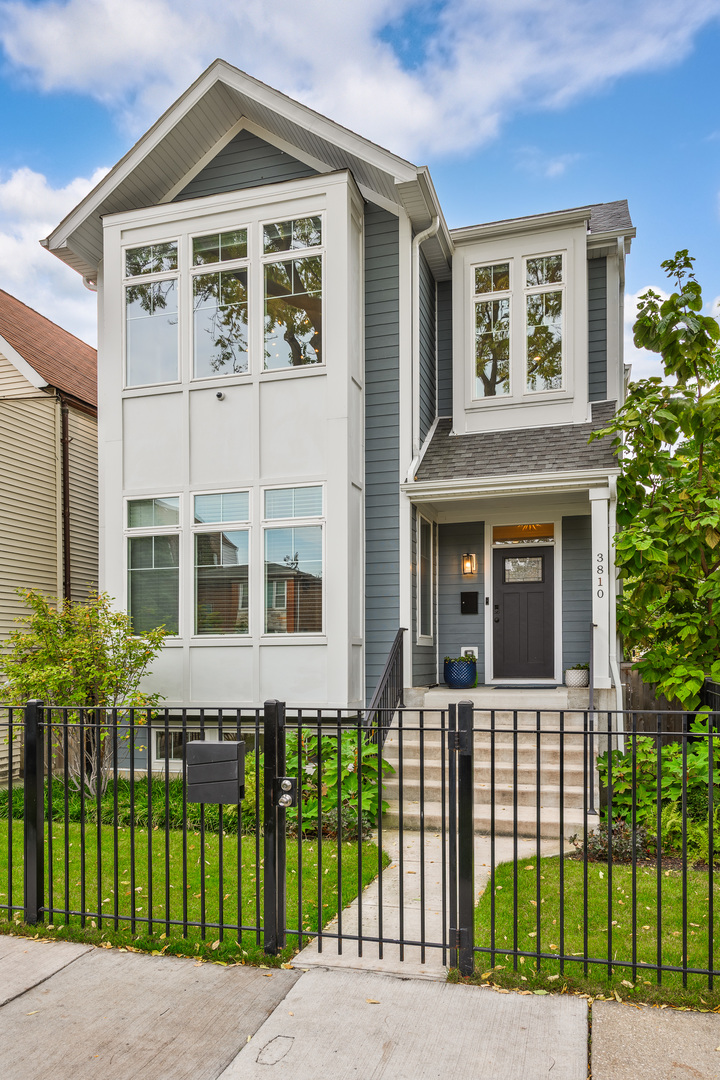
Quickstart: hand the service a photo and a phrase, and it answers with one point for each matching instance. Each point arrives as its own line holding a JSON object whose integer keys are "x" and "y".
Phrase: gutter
{"x": 415, "y": 384}
{"x": 65, "y": 481}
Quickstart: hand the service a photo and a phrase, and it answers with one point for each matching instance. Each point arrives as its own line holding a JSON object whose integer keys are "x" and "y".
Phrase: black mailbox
{"x": 215, "y": 771}
{"x": 468, "y": 603}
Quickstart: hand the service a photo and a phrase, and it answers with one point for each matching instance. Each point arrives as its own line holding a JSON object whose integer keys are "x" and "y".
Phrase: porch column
{"x": 601, "y": 581}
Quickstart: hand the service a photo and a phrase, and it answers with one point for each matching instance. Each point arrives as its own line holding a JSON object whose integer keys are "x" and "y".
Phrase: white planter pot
{"x": 577, "y": 677}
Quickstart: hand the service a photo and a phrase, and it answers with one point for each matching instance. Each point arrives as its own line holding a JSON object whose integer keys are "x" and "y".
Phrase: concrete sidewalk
{"x": 73, "y": 1012}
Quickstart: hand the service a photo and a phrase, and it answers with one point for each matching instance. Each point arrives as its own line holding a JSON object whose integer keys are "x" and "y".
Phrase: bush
{"x": 597, "y": 847}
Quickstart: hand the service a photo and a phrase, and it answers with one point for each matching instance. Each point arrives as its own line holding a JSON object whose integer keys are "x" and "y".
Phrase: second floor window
{"x": 544, "y": 311}
{"x": 492, "y": 330}
{"x": 151, "y": 314}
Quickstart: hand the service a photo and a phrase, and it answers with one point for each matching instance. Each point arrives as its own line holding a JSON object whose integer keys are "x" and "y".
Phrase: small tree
{"x": 668, "y": 547}
{"x": 82, "y": 656}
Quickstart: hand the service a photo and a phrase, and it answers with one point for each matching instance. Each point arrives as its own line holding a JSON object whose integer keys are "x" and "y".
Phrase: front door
{"x": 523, "y": 613}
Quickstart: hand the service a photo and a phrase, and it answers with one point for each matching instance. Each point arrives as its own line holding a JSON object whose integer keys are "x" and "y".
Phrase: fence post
{"x": 274, "y": 829}
{"x": 466, "y": 838}
{"x": 34, "y": 813}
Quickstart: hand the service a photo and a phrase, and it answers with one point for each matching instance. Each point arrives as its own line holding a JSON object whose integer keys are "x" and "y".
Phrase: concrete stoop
{"x": 518, "y": 747}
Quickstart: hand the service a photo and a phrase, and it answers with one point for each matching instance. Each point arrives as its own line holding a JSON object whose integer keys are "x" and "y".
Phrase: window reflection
{"x": 293, "y": 312}
{"x": 152, "y": 332}
{"x": 220, "y": 303}
{"x": 544, "y": 341}
{"x": 221, "y": 582}
{"x": 492, "y": 348}
{"x": 293, "y": 580}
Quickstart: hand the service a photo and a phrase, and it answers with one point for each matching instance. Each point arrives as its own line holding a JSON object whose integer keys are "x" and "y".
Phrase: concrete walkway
{"x": 73, "y": 1012}
{"x": 365, "y": 916}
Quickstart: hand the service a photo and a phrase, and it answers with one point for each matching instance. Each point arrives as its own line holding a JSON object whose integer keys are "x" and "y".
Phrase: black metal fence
{"x": 430, "y": 809}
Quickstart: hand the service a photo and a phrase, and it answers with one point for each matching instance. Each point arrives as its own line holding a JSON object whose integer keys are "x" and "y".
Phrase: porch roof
{"x": 508, "y": 453}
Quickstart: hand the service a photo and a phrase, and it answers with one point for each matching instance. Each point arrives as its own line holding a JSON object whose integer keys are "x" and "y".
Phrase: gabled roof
{"x": 198, "y": 124}
{"x": 59, "y": 358}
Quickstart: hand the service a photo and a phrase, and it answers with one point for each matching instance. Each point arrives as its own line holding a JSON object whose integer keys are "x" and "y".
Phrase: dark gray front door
{"x": 523, "y": 615}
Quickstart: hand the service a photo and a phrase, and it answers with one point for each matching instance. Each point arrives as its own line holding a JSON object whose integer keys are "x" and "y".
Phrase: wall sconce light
{"x": 468, "y": 564}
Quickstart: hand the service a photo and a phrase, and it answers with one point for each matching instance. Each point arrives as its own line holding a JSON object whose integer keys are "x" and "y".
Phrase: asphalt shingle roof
{"x": 506, "y": 453}
{"x": 63, "y": 360}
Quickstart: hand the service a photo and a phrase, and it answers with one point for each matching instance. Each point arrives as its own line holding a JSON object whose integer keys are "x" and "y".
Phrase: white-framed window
{"x": 425, "y": 578}
{"x": 492, "y": 330}
{"x": 293, "y": 256}
{"x": 544, "y": 304}
{"x": 293, "y": 544}
{"x": 518, "y": 308}
{"x": 151, "y": 289}
{"x": 221, "y": 559}
{"x": 153, "y": 563}
{"x": 221, "y": 310}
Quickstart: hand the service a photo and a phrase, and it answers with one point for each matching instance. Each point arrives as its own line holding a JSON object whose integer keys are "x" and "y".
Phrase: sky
{"x": 517, "y": 107}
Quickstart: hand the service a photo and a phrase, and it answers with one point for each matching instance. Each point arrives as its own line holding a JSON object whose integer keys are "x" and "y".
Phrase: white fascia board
{"x": 603, "y": 238}
{"x": 22, "y": 365}
{"x": 517, "y": 484}
{"x": 493, "y": 229}
{"x": 221, "y": 71}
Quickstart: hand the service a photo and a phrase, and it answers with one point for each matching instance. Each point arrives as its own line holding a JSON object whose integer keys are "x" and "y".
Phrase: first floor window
{"x": 154, "y": 582}
{"x": 221, "y": 582}
{"x": 293, "y": 580}
{"x": 425, "y": 575}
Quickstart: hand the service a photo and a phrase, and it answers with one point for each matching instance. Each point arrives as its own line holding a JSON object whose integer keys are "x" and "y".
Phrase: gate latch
{"x": 285, "y": 791}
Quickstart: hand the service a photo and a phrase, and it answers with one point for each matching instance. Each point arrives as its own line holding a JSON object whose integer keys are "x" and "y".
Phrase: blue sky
{"x": 518, "y": 107}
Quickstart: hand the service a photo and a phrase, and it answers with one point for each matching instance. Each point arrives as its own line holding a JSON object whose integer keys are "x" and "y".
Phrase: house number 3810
{"x": 600, "y": 570}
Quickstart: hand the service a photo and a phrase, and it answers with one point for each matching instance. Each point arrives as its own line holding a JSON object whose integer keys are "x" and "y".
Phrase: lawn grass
{"x": 201, "y": 891}
{"x": 539, "y": 932}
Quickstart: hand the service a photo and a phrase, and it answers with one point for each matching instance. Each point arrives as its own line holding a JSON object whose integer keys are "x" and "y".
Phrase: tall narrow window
{"x": 544, "y": 313}
{"x": 154, "y": 564}
{"x": 220, "y": 305}
{"x": 151, "y": 314}
{"x": 294, "y": 561}
{"x": 222, "y": 599}
{"x": 293, "y": 294}
{"x": 492, "y": 330}
{"x": 425, "y": 575}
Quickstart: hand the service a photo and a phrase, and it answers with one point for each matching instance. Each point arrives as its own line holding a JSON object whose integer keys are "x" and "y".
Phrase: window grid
{"x": 293, "y": 553}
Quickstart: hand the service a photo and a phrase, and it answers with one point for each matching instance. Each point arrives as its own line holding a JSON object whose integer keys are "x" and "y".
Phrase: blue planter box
{"x": 460, "y": 674}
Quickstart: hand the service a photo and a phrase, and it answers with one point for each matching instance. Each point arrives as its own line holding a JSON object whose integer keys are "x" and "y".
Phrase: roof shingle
{"x": 63, "y": 360}
{"x": 507, "y": 453}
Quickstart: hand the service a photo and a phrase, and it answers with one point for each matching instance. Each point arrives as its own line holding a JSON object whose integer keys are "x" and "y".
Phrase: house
{"x": 325, "y": 415}
{"x": 48, "y": 461}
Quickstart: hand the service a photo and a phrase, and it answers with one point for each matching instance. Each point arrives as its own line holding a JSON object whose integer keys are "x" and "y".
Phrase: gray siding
{"x": 382, "y": 439}
{"x": 576, "y": 590}
{"x": 444, "y": 347}
{"x": 428, "y": 359}
{"x": 245, "y": 162}
{"x": 424, "y": 657}
{"x": 597, "y": 329}
{"x": 457, "y": 631}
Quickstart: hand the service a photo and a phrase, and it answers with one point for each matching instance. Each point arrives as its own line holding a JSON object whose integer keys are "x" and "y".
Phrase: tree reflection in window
{"x": 220, "y": 302}
{"x": 293, "y": 312}
{"x": 544, "y": 341}
{"x": 151, "y": 259}
{"x": 492, "y": 348}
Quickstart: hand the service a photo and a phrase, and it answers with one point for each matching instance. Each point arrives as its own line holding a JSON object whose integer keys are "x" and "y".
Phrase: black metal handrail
{"x": 388, "y": 694}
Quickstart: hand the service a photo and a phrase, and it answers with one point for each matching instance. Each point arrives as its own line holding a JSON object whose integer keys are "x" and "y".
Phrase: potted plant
{"x": 577, "y": 675}
{"x": 460, "y": 672}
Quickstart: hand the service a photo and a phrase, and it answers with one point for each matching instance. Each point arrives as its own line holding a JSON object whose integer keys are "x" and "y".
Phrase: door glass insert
{"x": 528, "y": 569}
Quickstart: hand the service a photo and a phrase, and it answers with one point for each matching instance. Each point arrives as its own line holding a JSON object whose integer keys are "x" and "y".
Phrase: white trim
{"x": 498, "y": 229}
{"x": 266, "y": 524}
{"x": 515, "y": 484}
{"x": 28, "y": 372}
{"x": 420, "y": 638}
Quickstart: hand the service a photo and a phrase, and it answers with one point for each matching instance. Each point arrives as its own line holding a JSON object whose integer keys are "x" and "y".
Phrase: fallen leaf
{"x": 267, "y": 974}
{"x": 541, "y": 991}
{"x": 551, "y": 978}
{"x": 617, "y": 996}
{"x": 626, "y": 983}
{"x": 215, "y": 944}
{"x": 372, "y": 1001}
{"x": 33, "y": 1012}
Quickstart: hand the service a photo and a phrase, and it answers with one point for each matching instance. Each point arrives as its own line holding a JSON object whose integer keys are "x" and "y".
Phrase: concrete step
{"x": 516, "y": 697}
{"x": 526, "y": 793}
{"x": 504, "y": 772}
{"x": 506, "y": 823}
{"x": 503, "y": 753}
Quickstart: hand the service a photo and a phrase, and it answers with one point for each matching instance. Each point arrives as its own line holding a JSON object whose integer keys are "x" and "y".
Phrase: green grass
{"x": 539, "y": 931}
{"x": 186, "y": 897}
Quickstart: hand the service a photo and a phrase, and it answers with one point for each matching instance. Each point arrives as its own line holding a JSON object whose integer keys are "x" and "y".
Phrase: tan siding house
{"x": 48, "y": 464}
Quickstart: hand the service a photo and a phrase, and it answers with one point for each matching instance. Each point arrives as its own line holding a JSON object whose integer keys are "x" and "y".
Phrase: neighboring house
{"x": 318, "y": 404}
{"x": 48, "y": 464}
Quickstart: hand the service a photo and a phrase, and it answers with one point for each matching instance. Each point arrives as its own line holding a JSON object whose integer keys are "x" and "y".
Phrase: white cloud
{"x": 538, "y": 163}
{"x": 29, "y": 208}
{"x": 473, "y": 63}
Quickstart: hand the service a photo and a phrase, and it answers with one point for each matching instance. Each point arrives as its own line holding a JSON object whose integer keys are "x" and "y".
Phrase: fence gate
{"x": 319, "y": 842}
